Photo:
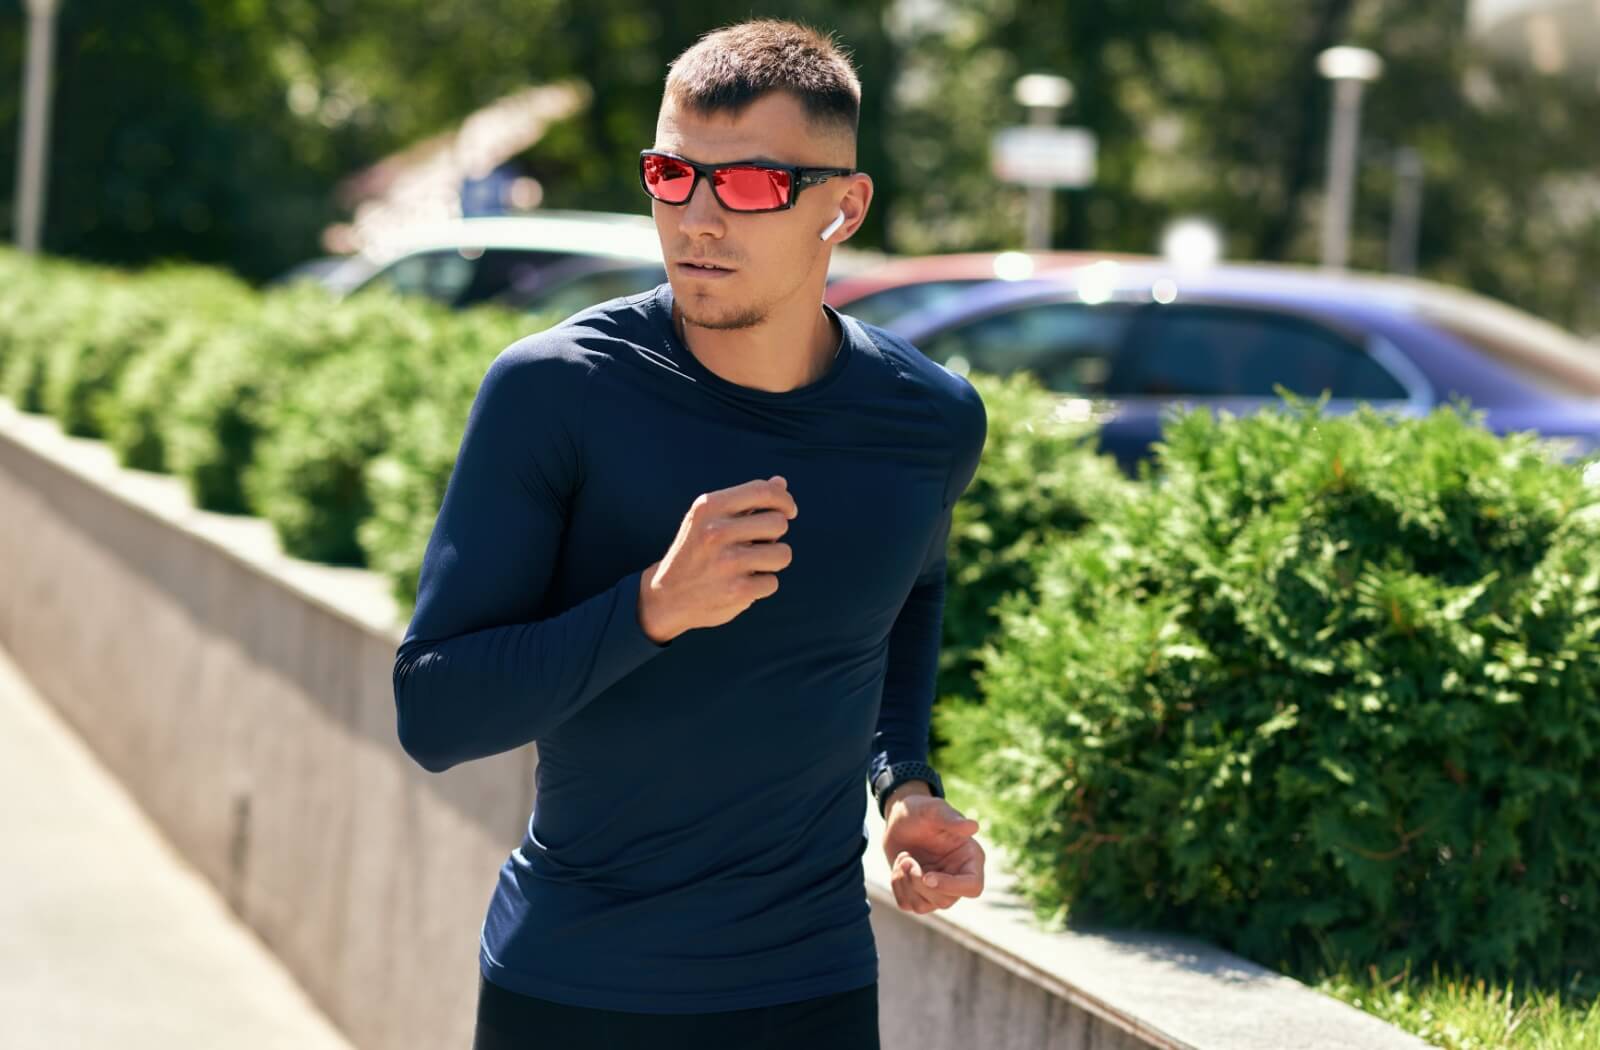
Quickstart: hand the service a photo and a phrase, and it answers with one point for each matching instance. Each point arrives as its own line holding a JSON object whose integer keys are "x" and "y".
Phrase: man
{"x": 694, "y": 546}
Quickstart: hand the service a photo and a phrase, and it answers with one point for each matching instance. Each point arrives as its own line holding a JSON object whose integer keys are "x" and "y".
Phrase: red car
{"x": 881, "y": 293}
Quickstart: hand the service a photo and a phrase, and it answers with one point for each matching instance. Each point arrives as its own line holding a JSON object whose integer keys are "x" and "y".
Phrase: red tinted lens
{"x": 667, "y": 179}
{"x": 752, "y": 188}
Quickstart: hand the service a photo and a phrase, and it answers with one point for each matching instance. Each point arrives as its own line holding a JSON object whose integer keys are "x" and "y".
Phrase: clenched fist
{"x": 725, "y": 558}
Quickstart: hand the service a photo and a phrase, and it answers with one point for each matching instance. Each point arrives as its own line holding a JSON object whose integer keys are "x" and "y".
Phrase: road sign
{"x": 1044, "y": 156}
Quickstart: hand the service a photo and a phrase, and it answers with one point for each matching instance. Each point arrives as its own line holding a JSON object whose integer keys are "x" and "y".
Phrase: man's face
{"x": 772, "y": 258}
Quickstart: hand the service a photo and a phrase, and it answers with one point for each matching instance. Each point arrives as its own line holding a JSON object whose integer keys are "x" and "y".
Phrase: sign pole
{"x": 36, "y": 119}
{"x": 1040, "y": 216}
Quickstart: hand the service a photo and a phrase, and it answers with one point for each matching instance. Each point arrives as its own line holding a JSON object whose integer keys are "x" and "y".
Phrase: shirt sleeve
{"x": 913, "y": 659}
{"x": 478, "y": 672}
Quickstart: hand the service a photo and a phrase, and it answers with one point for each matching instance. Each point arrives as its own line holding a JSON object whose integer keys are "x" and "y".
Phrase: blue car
{"x": 1122, "y": 342}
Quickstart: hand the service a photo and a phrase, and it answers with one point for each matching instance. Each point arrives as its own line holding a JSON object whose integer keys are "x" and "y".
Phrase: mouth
{"x": 704, "y": 268}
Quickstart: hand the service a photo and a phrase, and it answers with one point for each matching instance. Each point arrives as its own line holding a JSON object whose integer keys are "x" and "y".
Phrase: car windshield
{"x": 1549, "y": 357}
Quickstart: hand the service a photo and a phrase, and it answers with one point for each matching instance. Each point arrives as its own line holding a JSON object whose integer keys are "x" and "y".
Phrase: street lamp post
{"x": 1405, "y": 217}
{"x": 1043, "y": 96}
{"x": 1350, "y": 69}
{"x": 35, "y": 122}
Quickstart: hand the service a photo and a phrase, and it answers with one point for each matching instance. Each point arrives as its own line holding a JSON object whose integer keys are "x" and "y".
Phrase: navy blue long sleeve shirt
{"x": 699, "y": 820}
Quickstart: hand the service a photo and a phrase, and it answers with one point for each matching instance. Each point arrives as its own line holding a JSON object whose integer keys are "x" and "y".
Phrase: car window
{"x": 501, "y": 268}
{"x": 1068, "y": 346}
{"x": 460, "y": 277}
{"x": 1203, "y": 351}
{"x": 585, "y": 290}
{"x": 881, "y": 307}
{"x": 438, "y": 275}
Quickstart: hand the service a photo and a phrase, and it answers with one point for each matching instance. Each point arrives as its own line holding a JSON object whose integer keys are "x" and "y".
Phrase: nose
{"x": 702, "y": 216}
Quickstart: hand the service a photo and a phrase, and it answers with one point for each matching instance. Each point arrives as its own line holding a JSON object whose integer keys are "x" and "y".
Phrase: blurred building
{"x": 465, "y": 171}
{"x": 1553, "y": 36}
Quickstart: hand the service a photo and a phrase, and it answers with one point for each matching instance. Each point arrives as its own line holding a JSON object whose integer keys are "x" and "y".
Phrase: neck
{"x": 791, "y": 348}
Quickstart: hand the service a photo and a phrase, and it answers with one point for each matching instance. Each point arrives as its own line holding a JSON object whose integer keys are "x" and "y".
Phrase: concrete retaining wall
{"x": 245, "y": 699}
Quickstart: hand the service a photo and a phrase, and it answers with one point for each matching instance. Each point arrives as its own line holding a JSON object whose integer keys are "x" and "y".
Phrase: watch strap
{"x": 885, "y": 783}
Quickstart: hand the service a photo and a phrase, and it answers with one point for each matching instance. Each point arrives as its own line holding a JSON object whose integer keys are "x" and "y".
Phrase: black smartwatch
{"x": 884, "y": 784}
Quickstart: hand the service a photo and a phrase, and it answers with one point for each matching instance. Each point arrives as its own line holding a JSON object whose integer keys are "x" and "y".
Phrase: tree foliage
{"x": 216, "y": 130}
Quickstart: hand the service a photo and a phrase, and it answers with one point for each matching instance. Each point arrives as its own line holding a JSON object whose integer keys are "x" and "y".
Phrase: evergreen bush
{"x": 407, "y": 482}
{"x": 308, "y": 477}
{"x": 124, "y": 318}
{"x": 1325, "y": 695}
{"x": 220, "y": 408}
{"x": 1039, "y": 481}
{"x": 43, "y": 303}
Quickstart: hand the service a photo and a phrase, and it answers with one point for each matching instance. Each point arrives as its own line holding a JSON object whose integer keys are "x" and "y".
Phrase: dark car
{"x": 1122, "y": 342}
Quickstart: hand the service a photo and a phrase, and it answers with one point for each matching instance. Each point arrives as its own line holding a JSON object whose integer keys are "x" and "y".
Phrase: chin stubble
{"x": 748, "y": 319}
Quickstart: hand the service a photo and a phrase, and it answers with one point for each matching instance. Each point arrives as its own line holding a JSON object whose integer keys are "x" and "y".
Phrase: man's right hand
{"x": 724, "y": 559}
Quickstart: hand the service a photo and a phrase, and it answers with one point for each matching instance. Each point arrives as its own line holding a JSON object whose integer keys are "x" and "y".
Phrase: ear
{"x": 853, "y": 206}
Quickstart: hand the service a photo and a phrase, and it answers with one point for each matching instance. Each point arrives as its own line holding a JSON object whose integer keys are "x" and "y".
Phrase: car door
{"x": 1231, "y": 357}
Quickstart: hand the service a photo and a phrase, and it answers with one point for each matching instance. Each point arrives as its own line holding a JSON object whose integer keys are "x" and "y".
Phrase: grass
{"x": 1464, "y": 1013}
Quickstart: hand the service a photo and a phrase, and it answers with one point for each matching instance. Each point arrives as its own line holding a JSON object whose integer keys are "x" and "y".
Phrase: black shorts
{"x": 510, "y": 1021}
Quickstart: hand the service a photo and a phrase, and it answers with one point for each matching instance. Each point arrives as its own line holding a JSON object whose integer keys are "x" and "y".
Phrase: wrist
{"x": 901, "y": 775}
{"x": 910, "y": 787}
{"x": 649, "y": 613}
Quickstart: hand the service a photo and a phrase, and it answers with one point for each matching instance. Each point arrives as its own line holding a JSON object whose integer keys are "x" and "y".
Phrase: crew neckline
{"x": 661, "y": 304}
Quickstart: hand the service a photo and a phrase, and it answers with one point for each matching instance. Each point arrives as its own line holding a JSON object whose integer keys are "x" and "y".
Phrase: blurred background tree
{"x": 215, "y": 130}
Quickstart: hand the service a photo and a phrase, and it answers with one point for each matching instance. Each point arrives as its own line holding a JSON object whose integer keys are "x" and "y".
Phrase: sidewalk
{"x": 107, "y": 938}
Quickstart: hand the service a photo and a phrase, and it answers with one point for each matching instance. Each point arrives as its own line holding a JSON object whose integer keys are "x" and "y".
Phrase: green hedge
{"x": 272, "y": 404}
{"x": 135, "y": 417}
{"x": 1038, "y": 482}
{"x": 42, "y": 303}
{"x": 1325, "y": 695}
{"x": 224, "y": 406}
{"x": 124, "y": 316}
{"x": 351, "y": 407}
{"x": 407, "y": 482}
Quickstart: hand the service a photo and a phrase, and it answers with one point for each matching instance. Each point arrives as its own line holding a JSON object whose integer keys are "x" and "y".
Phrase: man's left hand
{"x": 934, "y": 860}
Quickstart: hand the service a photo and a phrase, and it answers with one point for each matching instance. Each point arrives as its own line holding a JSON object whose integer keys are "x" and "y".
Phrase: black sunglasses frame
{"x": 799, "y": 179}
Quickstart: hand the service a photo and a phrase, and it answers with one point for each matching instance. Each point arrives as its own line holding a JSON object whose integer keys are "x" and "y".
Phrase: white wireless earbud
{"x": 834, "y": 225}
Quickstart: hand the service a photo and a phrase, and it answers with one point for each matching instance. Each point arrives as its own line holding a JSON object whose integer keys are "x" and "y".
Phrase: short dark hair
{"x": 729, "y": 68}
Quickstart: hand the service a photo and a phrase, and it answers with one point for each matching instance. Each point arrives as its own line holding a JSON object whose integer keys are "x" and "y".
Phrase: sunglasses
{"x": 745, "y": 186}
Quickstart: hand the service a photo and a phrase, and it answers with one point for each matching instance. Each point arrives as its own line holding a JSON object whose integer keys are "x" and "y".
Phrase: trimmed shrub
{"x": 1039, "y": 481}
{"x": 407, "y": 482}
{"x": 308, "y": 477}
{"x": 1325, "y": 695}
{"x": 126, "y": 317}
{"x": 135, "y": 418}
{"x": 48, "y": 302}
{"x": 219, "y": 412}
